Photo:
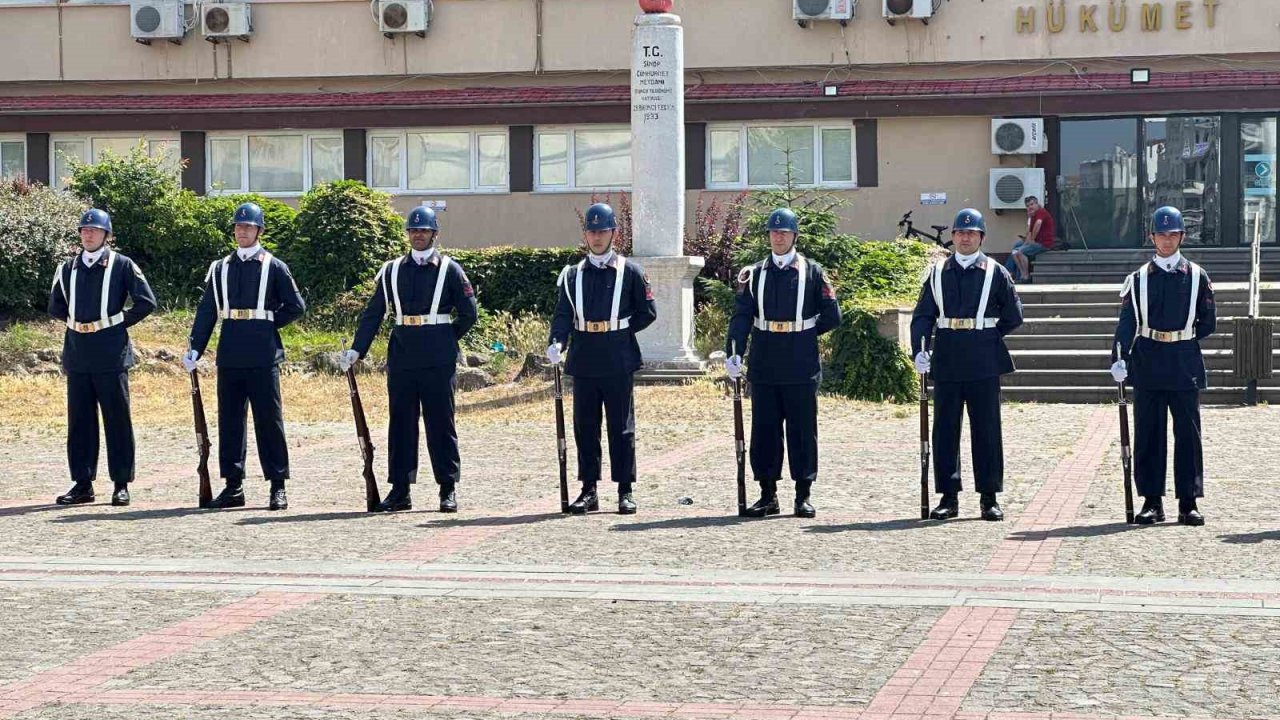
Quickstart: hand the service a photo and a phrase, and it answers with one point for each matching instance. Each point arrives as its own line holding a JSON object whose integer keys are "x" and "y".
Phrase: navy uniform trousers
{"x": 87, "y": 394}
{"x": 425, "y": 393}
{"x": 610, "y": 399}
{"x": 1151, "y": 411}
{"x": 986, "y": 439}
{"x": 256, "y": 389}
{"x": 792, "y": 410}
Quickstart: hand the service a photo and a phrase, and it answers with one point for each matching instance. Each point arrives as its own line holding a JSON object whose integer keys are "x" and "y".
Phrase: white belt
{"x": 1167, "y": 336}
{"x": 600, "y": 326}
{"x": 785, "y": 326}
{"x": 96, "y": 325}
{"x": 418, "y": 320}
{"x": 248, "y": 314}
{"x": 967, "y": 323}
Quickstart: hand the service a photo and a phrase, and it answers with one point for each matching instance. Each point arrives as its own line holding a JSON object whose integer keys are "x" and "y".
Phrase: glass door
{"x": 1099, "y": 202}
{"x": 1183, "y": 168}
{"x": 1258, "y": 179}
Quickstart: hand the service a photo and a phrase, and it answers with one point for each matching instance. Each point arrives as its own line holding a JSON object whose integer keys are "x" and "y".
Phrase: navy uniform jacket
{"x": 1166, "y": 366}
{"x": 247, "y": 343}
{"x": 107, "y": 350}
{"x": 782, "y": 358}
{"x": 967, "y": 355}
{"x": 607, "y": 353}
{"x": 414, "y": 347}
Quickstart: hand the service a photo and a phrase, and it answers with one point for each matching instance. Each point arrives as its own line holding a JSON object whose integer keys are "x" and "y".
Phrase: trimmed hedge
{"x": 515, "y": 280}
{"x": 37, "y": 230}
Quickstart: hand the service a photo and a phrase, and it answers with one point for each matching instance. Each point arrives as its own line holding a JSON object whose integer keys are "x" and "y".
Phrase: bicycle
{"x": 911, "y": 233}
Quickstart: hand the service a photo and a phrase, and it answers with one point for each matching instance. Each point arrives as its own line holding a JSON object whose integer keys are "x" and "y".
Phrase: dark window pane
{"x": 1258, "y": 179}
{"x": 1099, "y": 200}
{"x": 1184, "y": 170}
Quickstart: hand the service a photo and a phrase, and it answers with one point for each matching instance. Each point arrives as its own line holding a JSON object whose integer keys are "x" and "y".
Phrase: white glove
{"x": 733, "y": 366}
{"x": 922, "y": 362}
{"x": 553, "y": 354}
{"x": 1119, "y": 371}
{"x": 189, "y": 360}
{"x": 347, "y": 358}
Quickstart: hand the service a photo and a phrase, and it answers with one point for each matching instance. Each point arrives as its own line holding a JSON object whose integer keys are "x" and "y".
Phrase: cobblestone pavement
{"x": 509, "y": 609}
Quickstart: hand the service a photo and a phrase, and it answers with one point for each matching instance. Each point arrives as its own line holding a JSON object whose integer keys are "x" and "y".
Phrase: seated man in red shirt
{"x": 1039, "y": 238}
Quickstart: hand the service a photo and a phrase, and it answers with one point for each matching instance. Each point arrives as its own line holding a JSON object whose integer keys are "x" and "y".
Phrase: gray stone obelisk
{"x": 658, "y": 189}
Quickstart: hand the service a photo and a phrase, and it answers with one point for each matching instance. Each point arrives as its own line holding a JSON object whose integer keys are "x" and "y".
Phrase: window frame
{"x": 26, "y": 151}
{"x": 817, "y": 126}
{"x": 88, "y": 137}
{"x": 243, "y": 137}
{"x": 571, "y": 185}
{"x": 474, "y": 133}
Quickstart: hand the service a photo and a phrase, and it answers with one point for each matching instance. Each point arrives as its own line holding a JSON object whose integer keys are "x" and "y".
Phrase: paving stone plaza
{"x": 509, "y": 609}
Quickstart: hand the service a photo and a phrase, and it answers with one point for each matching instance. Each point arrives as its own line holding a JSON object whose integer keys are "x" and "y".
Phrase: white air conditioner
{"x": 908, "y": 10}
{"x": 805, "y": 10}
{"x": 157, "y": 20}
{"x": 1023, "y": 136}
{"x": 225, "y": 20}
{"x": 404, "y": 16}
{"x": 1010, "y": 187}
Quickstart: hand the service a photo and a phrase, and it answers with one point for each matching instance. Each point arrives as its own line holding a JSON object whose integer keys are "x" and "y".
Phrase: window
{"x": 273, "y": 163}
{"x": 91, "y": 148}
{"x": 13, "y": 157}
{"x": 594, "y": 158}
{"x": 743, "y": 156}
{"x": 442, "y": 161}
{"x": 1258, "y": 179}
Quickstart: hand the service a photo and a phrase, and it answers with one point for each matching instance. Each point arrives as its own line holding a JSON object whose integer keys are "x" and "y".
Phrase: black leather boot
{"x": 626, "y": 501}
{"x": 448, "y": 499}
{"x": 991, "y": 511}
{"x": 398, "y": 499}
{"x": 768, "y": 502}
{"x": 587, "y": 501}
{"x": 1188, "y": 513}
{"x": 948, "y": 507}
{"x": 120, "y": 497}
{"x": 279, "y": 498}
{"x": 1152, "y": 511}
{"x": 79, "y": 494}
{"x": 803, "y": 507}
{"x": 232, "y": 496}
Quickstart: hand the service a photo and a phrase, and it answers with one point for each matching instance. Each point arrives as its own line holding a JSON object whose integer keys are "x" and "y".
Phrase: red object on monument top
{"x": 656, "y": 6}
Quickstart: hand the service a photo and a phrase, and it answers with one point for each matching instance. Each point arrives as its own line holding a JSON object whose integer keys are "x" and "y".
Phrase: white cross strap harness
{"x": 226, "y": 312}
{"x": 580, "y": 322}
{"x": 800, "y": 323}
{"x": 105, "y": 321}
{"x": 392, "y": 278}
{"x": 978, "y": 322}
{"x": 1139, "y": 301}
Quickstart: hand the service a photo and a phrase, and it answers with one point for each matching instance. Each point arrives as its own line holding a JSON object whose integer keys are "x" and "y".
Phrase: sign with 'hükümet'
{"x": 1116, "y": 16}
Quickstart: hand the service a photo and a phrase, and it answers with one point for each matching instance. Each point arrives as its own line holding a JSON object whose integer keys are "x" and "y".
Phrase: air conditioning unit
{"x": 1010, "y": 187}
{"x": 404, "y": 16}
{"x": 157, "y": 20}
{"x": 805, "y": 10}
{"x": 221, "y": 20}
{"x": 1023, "y": 136}
{"x": 908, "y": 10}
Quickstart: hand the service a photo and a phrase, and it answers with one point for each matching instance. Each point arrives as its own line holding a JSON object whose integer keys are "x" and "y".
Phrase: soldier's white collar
{"x": 966, "y": 260}
{"x": 1170, "y": 263}
{"x": 600, "y": 260}
{"x": 422, "y": 257}
{"x": 783, "y": 261}
{"x": 249, "y": 252}
{"x": 91, "y": 258}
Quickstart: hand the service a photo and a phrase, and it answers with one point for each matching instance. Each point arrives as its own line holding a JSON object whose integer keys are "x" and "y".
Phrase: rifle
{"x": 739, "y": 436}
{"x": 562, "y": 447}
{"x": 1126, "y": 454}
{"x": 924, "y": 440}
{"x": 371, "y": 497}
{"x": 202, "y": 440}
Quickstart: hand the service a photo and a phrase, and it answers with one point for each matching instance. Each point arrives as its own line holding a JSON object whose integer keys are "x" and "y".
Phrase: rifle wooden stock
{"x": 371, "y": 497}
{"x": 202, "y": 440}
{"x": 562, "y": 448}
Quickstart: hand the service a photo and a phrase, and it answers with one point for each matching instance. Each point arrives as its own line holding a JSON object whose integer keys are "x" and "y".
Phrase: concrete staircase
{"x": 1063, "y": 351}
{"x": 1110, "y": 266}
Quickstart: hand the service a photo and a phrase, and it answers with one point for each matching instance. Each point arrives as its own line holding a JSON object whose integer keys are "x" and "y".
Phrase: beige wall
{"x": 337, "y": 38}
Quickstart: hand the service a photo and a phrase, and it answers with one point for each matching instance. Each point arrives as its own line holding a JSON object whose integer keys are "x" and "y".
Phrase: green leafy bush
{"x": 37, "y": 229}
{"x": 516, "y": 280}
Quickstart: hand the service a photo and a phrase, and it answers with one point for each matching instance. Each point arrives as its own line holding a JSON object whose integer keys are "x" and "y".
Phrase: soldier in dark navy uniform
{"x": 254, "y": 295}
{"x": 89, "y": 294}
{"x": 784, "y": 303}
{"x": 967, "y": 305}
{"x": 1166, "y": 309}
{"x": 604, "y": 300}
{"x": 432, "y": 305}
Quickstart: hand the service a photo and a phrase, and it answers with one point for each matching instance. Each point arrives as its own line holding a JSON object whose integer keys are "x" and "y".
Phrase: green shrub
{"x": 865, "y": 365}
{"x": 516, "y": 280}
{"x": 37, "y": 229}
{"x": 345, "y": 232}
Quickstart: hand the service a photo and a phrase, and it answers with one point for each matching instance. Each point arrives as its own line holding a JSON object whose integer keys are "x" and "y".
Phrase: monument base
{"x": 667, "y": 344}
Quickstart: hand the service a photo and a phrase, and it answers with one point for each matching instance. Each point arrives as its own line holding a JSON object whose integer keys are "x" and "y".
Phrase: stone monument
{"x": 658, "y": 185}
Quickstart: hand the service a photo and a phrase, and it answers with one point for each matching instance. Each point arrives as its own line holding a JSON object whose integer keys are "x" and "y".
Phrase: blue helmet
{"x": 422, "y": 218}
{"x": 249, "y": 214}
{"x": 600, "y": 217}
{"x": 969, "y": 219}
{"x": 783, "y": 219}
{"x": 95, "y": 218}
{"x": 1167, "y": 219}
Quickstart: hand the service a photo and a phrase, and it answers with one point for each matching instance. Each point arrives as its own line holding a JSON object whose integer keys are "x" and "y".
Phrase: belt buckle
{"x": 1164, "y": 336}
{"x": 782, "y": 326}
{"x": 597, "y": 326}
{"x": 964, "y": 324}
{"x": 241, "y": 314}
{"x": 413, "y": 320}
{"x": 86, "y": 327}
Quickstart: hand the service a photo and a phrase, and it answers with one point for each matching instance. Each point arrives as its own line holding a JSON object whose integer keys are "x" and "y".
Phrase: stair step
{"x": 1098, "y": 341}
{"x": 1101, "y": 358}
{"x": 1100, "y": 376}
{"x": 1100, "y": 395}
{"x": 1085, "y": 310}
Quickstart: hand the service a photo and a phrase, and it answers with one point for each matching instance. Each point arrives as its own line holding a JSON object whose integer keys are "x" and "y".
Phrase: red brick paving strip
{"x": 79, "y": 678}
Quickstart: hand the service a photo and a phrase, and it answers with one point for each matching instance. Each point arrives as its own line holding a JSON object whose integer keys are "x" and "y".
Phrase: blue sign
{"x": 1260, "y": 175}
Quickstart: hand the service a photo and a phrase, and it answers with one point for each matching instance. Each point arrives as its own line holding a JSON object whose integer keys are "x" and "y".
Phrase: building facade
{"x": 511, "y": 114}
